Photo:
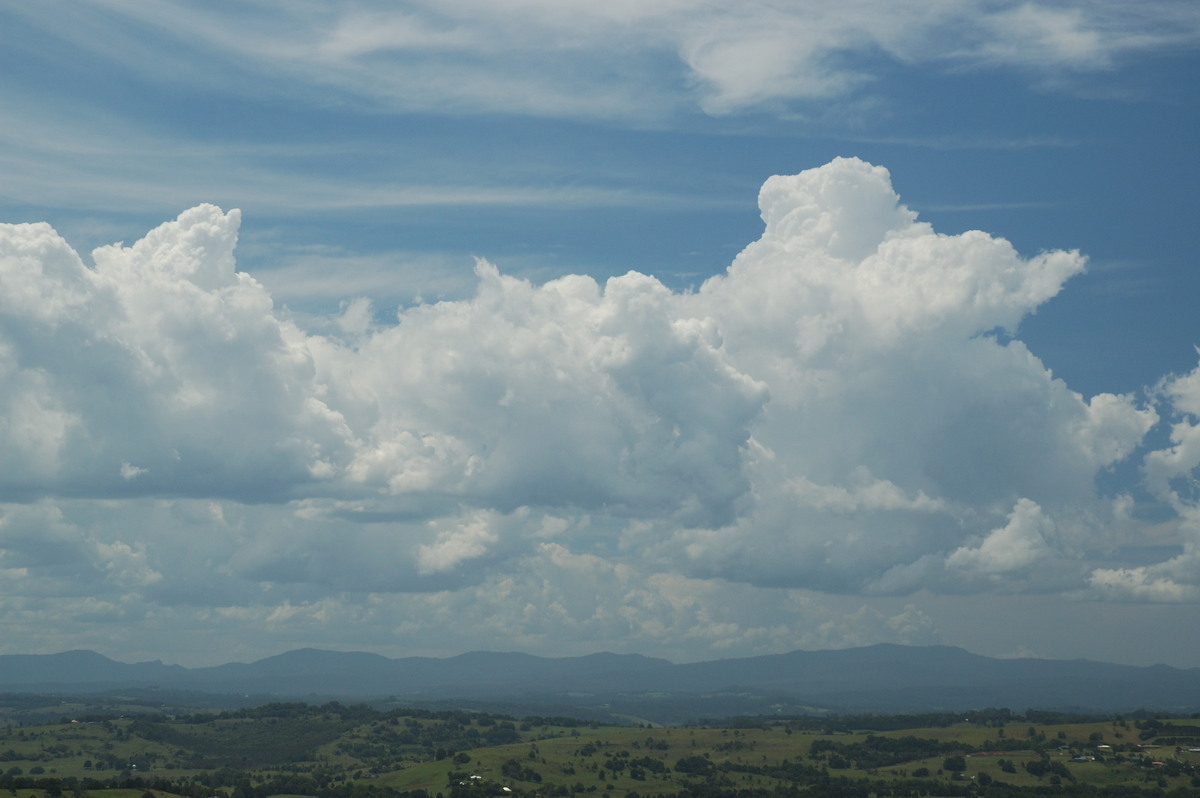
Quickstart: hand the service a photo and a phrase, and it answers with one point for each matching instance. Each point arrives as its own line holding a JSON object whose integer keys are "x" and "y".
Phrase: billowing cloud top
{"x": 845, "y": 410}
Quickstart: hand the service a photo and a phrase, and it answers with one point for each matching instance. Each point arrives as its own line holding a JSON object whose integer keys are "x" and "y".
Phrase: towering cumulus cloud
{"x": 845, "y": 410}
{"x": 159, "y": 371}
{"x": 903, "y": 424}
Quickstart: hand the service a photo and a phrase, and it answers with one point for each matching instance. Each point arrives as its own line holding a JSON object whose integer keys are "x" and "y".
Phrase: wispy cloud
{"x": 990, "y": 206}
{"x": 47, "y": 163}
{"x": 579, "y": 59}
{"x": 963, "y": 141}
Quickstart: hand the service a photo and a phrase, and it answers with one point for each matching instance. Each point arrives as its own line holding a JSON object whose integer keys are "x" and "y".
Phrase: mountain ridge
{"x": 882, "y": 677}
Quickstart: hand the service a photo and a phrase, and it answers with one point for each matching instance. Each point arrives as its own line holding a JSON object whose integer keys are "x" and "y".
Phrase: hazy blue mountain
{"x": 884, "y": 678}
{"x": 22, "y": 672}
{"x": 477, "y": 672}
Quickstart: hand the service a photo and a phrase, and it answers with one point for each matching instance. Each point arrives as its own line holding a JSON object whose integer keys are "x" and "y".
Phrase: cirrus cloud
{"x": 531, "y": 56}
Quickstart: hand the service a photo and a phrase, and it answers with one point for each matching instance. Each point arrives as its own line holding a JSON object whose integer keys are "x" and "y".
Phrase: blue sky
{"x": 411, "y": 400}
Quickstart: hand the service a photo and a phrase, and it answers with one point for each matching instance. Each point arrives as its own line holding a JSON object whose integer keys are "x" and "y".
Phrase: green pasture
{"x": 435, "y": 754}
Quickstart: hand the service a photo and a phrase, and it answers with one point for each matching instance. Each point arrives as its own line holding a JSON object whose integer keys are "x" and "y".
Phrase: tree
{"x": 956, "y": 764}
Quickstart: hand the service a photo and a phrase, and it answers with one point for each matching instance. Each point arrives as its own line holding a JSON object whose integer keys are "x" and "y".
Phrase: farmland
{"x": 337, "y": 751}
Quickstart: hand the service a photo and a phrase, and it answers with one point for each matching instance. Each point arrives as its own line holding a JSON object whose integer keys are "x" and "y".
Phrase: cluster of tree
{"x": 695, "y": 766}
{"x": 879, "y": 752}
{"x": 833, "y": 724}
{"x": 1046, "y": 766}
{"x": 1166, "y": 733}
{"x": 842, "y": 787}
{"x": 284, "y": 733}
{"x": 787, "y": 771}
{"x": 517, "y": 771}
{"x": 234, "y": 785}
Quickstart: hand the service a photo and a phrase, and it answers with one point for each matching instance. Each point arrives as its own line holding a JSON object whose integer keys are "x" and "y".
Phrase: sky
{"x": 669, "y": 327}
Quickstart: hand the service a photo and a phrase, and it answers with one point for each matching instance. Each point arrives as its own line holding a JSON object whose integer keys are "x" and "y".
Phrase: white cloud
{"x": 1016, "y": 546}
{"x": 1145, "y": 583}
{"x": 866, "y": 494}
{"x": 583, "y": 461}
{"x": 1176, "y": 580}
{"x": 1171, "y": 475}
{"x": 563, "y": 394}
{"x": 129, "y": 471}
{"x": 468, "y": 540}
{"x": 161, "y": 356}
{"x": 125, "y": 565}
{"x": 898, "y": 426}
{"x": 1170, "y": 472}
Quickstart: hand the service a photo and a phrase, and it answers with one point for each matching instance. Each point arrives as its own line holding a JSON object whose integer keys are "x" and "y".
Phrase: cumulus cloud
{"x": 160, "y": 369}
{"x": 1170, "y": 582}
{"x": 1015, "y": 546}
{"x": 845, "y": 410}
{"x": 893, "y": 401}
{"x": 1169, "y": 471}
{"x": 567, "y": 393}
{"x": 1171, "y": 475}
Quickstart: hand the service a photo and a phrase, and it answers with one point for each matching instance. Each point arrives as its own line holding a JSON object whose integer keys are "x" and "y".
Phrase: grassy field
{"x": 332, "y": 751}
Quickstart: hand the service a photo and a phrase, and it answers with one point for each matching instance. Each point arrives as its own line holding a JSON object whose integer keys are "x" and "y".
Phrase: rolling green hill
{"x": 335, "y": 751}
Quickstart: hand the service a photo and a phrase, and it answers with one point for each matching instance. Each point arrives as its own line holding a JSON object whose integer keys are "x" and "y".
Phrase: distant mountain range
{"x": 881, "y": 678}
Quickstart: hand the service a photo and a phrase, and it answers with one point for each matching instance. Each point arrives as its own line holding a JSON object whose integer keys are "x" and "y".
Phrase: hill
{"x": 881, "y": 678}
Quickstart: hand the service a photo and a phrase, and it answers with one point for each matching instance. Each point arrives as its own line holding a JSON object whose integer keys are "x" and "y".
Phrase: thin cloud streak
{"x": 95, "y": 176}
{"x": 416, "y": 57}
